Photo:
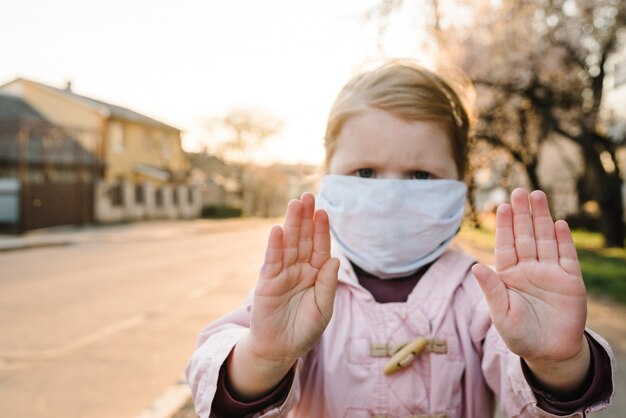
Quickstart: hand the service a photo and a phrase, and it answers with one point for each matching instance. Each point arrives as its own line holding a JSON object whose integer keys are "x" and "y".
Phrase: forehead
{"x": 377, "y": 139}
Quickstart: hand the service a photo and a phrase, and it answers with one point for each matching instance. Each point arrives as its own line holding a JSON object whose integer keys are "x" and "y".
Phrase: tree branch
{"x": 572, "y": 53}
{"x": 497, "y": 142}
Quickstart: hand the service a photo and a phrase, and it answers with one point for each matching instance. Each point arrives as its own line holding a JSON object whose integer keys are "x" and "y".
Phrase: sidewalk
{"x": 126, "y": 232}
{"x": 35, "y": 239}
{"x": 72, "y": 235}
{"x": 57, "y": 236}
{"x": 175, "y": 402}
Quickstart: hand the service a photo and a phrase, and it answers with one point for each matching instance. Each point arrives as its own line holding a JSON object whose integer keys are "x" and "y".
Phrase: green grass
{"x": 483, "y": 236}
{"x": 221, "y": 212}
{"x": 604, "y": 269}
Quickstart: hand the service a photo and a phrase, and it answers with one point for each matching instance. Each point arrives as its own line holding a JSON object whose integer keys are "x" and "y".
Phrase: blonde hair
{"x": 408, "y": 91}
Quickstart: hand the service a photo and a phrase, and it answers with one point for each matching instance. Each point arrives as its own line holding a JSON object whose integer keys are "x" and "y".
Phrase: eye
{"x": 366, "y": 173}
{"x": 420, "y": 175}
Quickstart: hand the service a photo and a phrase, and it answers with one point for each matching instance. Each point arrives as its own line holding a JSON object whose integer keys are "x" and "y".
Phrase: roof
{"x": 154, "y": 172}
{"x": 66, "y": 150}
{"x": 14, "y": 107}
{"x": 46, "y": 143}
{"x": 108, "y": 109}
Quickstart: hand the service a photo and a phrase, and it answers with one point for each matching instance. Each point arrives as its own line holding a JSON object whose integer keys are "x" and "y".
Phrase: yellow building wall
{"x": 147, "y": 145}
{"x": 179, "y": 161}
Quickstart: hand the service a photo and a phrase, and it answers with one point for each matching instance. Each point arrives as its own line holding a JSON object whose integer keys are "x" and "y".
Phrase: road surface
{"x": 101, "y": 328}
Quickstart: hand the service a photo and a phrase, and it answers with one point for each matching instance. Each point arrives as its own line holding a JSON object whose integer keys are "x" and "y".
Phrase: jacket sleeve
{"x": 504, "y": 375}
{"x": 214, "y": 345}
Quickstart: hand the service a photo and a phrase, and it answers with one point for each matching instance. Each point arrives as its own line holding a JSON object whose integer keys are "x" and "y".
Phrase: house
{"x": 45, "y": 173}
{"x": 216, "y": 180}
{"x": 144, "y": 172}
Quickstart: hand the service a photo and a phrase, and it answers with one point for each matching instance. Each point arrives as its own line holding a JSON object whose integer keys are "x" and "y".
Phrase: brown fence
{"x": 53, "y": 204}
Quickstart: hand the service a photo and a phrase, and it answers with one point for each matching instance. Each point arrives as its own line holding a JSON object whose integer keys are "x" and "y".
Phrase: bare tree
{"x": 244, "y": 132}
{"x": 550, "y": 63}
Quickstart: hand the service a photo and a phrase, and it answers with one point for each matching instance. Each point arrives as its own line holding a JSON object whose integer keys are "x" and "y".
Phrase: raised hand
{"x": 537, "y": 296}
{"x": 293, "y": 300}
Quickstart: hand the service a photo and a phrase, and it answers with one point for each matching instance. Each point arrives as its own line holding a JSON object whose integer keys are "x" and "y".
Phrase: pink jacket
{"x": 467, "y": 362}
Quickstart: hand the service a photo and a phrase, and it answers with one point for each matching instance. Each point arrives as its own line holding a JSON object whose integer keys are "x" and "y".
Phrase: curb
{"x": 28, "y": 245}
{"x": 169, "y": 403}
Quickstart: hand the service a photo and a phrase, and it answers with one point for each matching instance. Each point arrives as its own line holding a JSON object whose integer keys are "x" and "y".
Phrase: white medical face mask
{"x": 391, "y": 228}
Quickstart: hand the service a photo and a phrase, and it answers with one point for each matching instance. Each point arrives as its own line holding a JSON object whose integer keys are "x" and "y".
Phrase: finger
{"x": 305, "y": 245}
{"x": 543, "y": 227}
{"x": 325, "y": 287}
{"x": 505, "y": 253}
{"x": 291, "y": 232}
{"x": 273, "y": 254}
{"x": 495, "y": 292}
{"x": 568, "y": 259}
{"x": 523, "y": 233}
{"x": 321, "y": 239}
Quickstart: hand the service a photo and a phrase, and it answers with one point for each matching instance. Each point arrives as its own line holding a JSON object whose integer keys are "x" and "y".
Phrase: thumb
{"x": 495, "y": 292}
{"x": 325, "y": 287}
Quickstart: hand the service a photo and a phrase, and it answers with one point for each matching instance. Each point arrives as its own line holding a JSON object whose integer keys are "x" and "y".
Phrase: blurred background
{"x": 146, "y": 147}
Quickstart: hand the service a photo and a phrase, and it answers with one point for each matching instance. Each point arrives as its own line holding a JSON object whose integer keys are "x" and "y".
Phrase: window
{"x": 140, "y": 195}
{"x": 116, "y": 194}
{"x": 158, "y": 197}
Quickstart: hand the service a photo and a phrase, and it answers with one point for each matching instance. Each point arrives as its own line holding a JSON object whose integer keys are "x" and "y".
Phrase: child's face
{"x": 377, "y": 144}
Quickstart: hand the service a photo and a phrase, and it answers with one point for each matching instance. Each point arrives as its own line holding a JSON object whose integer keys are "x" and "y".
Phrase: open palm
{"x": 293, "y": 300}
{"x": 536, "y": 295}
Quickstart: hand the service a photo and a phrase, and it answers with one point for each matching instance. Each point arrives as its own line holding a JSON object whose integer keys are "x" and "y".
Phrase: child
{"x": 395, "y": 324}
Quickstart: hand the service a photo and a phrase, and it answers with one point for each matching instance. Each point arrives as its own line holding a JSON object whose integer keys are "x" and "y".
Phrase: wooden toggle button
{"x": 405, "y": 356}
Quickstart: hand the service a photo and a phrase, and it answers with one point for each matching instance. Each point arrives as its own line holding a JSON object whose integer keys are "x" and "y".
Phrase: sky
{"x": 183, "y": 62}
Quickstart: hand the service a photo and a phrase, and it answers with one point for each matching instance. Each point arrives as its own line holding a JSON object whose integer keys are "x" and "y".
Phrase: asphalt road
{"x": 102, "y": 327}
